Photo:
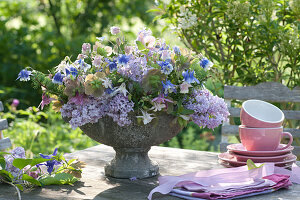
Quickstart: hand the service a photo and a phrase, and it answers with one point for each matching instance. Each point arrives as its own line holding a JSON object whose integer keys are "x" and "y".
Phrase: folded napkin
{"x": 228, "y": 183}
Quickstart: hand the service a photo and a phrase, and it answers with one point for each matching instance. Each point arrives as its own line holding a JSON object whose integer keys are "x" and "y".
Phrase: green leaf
{"x": 30, "y": 179}
{"x": 251, "y": 165}
{"x": 3, "y": 153}
{"x": 21, "y": 163}
{"x": 153, "y": 10}
{"x": 59, "y": 179}
{"x": 140, "y": 45}
{"x": 20, "y": 187}
{"x": 72, "y": 160}
{"x": 187, "y": 112}
{"x": 2, "y": 163}
{"x": 6, "y": 175}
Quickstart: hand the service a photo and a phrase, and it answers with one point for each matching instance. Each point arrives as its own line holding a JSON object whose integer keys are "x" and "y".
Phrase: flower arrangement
{"x": 52, "y": 169}
{"x": 146, "y": 77}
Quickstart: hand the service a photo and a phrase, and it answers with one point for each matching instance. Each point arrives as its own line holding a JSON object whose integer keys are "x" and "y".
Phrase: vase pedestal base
{"x": 131, "y": 162}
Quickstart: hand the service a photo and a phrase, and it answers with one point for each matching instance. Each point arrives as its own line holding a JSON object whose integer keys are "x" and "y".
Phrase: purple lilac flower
{"x": 189, "y": 77}
{"x": 166, "y": 66}
{"x": 18, "y": 152}
{"x": 177, "y": 50}
{"x": 58, "y": 78}
{"x": 123, "y": 59}
{"x": 209, "y": 110}
{"x": 205, "y": 63}
{"x": 168, "y": 87}
{"x": 50, "y": 164}
{"x": 24, "y": 75}
{"x": 135, "y": 69}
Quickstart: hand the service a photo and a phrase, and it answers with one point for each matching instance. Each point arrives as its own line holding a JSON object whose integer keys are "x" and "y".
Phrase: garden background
{"x": 249, "y": 41}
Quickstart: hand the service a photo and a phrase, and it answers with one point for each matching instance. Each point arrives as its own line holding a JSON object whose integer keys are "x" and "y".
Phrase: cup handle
{"x": 290, "y": 142}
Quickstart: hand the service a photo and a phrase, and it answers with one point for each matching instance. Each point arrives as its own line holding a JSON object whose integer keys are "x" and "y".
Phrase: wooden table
{"x": 94, "y": 185}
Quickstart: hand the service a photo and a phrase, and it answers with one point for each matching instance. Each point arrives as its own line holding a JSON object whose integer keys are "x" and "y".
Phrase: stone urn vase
{"x": 132, "y": 143}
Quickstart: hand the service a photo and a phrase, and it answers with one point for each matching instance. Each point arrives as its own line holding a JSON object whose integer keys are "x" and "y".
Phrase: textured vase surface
{"x": 132, "y": 143}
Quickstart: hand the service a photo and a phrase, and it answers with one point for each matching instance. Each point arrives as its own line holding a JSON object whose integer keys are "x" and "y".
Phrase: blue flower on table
{"x": 205, "y": 63}
{"x": 24, "y": 75}
{"x": 123, "y": 59}
{"x": 71, "y": 71}
{"x": 168, "y": 87}
{"x": 58, "y": 78}
{"x": 166, "y": 66}
{"x": 189, "y": 78}
{"x": 50, "y": 164}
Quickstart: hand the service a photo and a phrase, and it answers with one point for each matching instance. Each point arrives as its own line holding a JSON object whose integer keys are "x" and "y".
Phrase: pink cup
{"x": 261, "y": 114}
{"x": 263, "y": 139}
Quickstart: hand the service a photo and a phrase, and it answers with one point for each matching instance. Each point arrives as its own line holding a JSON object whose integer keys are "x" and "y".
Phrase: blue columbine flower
{"x": 168, "y": 87}
{"x": 177, "y": 50}
{"x": 112, "y": 65}
{"x": 24, "y": 75}
{"x": 50, "y": 164}
{"x": 58, "y": 78}
{"x": 123, "y": 59}
{"x": 81, "y": 65}
{"x": 166, "y": 66}
{"x": 109, "y": 91}
{"x": 205, "y": 63}
{"x": 189, "y": 77}
{"x": 72, "y": 70}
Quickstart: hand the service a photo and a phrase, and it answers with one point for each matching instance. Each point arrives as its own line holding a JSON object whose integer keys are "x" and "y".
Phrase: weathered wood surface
{"x": 1, "y": 106}
{"x": 289, "y": 114}
{"x": 269, "y": 91}
{"x": 234, "y": 130}
{"x": 94, "y": 185}
{"x": 5, "y": 143}
{"x": 3, "y": 124}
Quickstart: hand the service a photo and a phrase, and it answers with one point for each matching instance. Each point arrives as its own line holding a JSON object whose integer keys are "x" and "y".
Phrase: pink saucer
{"x": 240, "y": 149}
{"x": 228, "y": 165}
{"x": 243, "y": 158}
{"x": 233, "y": 161}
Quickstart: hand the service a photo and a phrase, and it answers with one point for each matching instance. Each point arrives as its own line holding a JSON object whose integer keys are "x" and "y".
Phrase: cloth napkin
{"x": 228, "y": 183}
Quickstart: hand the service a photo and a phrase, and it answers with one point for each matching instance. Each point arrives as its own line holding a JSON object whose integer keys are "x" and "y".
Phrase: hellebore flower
{"x": 166, "y": 67}
{"x": 58, "y": 78}
{"x": 205, "y": 63}
{"x": 24, "y": 75}
{"x": 50, "y": 164}
{"x": 189, "y": 77}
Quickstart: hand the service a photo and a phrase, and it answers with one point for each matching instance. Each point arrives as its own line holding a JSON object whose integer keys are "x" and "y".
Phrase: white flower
{"x": 107, "y": 83}
{"x": 149, "y": 41}
{"x": 184, "y": 88}
{"x": 115, "y": 30}
{"x": 157, "y": 106}
{"x": 147, "y": 118}
{"x": 100, "y": 38}
{"x": 122, "y": 89}
{"x": 108, "y": 50}
{"x": 97, "y": 61}
{"x": 187, "y": 19}
{"x": 62, "y": 67}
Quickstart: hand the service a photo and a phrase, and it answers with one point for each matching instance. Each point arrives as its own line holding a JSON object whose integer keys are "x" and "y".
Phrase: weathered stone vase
{"x": 132, "y": 143}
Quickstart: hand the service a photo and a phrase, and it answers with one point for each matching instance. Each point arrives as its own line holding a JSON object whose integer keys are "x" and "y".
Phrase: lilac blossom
{"x": 135, "y": 69}
{"x": 209, "y": 110}
{"x": 18, "y": 152}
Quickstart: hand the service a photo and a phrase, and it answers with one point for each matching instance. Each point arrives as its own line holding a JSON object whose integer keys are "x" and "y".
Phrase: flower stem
{"x": 18, "y": 191}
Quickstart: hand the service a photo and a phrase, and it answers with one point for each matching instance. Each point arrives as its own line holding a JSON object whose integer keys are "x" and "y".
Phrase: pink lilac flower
{"x": 45, "y": 101}
{"x": 78, "y": 99}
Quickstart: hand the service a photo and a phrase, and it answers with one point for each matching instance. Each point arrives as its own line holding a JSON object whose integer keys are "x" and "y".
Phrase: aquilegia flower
{"x": 168, "y": 87}
{"x": 177, "y": 50}
{"x": 112, "y": 65}
{"x": 45, "y": 101}
{"x": 123, "y": 59}
{"x": 166, "y": 67}
{"x": 71, "y": 71}
{"x": 147, "y": 118}
{"x": 189, "y": 78}
{"x": 24, "y": 75}
{"x": 205, "y": 63}
{"x": 50, "y": 164}
{"x": 58, "y": 78}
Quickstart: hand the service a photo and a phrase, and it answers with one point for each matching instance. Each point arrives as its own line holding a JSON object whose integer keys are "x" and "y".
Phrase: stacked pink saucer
{"x": 260, "y": 133}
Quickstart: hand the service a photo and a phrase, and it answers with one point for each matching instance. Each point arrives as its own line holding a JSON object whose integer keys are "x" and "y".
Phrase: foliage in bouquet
{"x": 145, "y": 76}
{"x": 52, "y": 169}
{"x": 250, "y": 41}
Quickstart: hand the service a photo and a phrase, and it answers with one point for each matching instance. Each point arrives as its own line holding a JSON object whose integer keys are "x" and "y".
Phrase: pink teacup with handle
{"x": 263, "y": 139}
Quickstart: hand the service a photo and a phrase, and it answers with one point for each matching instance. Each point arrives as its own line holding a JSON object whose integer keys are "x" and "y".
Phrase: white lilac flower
{"x": 24, "y": 75}
{"x": 184, "y": 88}
{"x": 58, "y": 78}
{"x": 115, "y": 30}
{"x": 107, "y": 83}
{"x": 86, "y": 48}
{"x": 157, "y": 106}
{"x": 97, "y": 61}
{"x": 147, "y": 118}
{"x": 205, "y": 63}
{"x": 166, "y": 67}
{"x": 186, "y": 18}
